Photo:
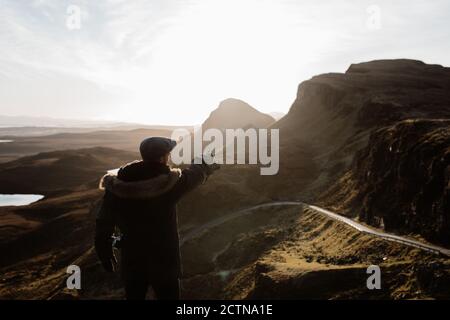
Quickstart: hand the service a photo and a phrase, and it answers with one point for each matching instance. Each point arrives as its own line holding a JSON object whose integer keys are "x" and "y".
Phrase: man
{"x": 141, "y": 201}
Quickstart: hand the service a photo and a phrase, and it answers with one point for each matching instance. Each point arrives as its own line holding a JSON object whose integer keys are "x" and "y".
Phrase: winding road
{"x": 361, "y": 228}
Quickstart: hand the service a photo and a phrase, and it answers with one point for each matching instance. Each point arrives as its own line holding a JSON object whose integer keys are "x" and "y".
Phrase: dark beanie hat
{"x": 153, "y": 148}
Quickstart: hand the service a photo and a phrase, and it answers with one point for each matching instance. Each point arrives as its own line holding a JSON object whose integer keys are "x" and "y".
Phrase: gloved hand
{"x": 209, "y": 165}
{"x": 210, "y": 168}
{"x": 106, "y": 255}
{"x": 104, "y": 233}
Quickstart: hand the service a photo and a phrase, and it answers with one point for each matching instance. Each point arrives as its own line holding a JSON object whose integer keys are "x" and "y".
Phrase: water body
{"x": 18, "y": 199}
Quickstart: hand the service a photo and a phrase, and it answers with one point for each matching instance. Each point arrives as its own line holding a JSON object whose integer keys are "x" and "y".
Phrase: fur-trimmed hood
{"x": 144, "y": 189}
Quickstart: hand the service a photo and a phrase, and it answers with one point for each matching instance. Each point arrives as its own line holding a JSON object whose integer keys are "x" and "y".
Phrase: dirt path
{"x": 360, "y": 227}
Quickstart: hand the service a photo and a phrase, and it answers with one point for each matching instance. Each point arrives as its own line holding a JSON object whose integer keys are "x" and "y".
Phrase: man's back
{"x": 154, "y": 212}
{"x": 141, "y": 201}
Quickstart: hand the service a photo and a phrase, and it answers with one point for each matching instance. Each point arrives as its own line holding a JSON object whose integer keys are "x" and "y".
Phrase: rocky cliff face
{"x": 401, "y": 180}
{"x": 334, "y": 114}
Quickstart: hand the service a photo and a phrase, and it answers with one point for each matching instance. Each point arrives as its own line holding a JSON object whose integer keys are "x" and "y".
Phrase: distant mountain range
{"x": 30, "y": 121}
{"x": 233, "y": 113}
{"x": 22, "y": 126}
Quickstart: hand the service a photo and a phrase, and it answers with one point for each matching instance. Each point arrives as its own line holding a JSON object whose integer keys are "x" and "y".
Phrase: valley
{"x": 368, "y": 149}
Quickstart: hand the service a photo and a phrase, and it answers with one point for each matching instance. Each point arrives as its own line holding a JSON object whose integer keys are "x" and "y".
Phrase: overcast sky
{"x": 172, "y": 62}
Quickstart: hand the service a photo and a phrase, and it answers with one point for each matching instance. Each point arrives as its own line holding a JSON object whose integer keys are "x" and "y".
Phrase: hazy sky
{"x": 172, "y": 62}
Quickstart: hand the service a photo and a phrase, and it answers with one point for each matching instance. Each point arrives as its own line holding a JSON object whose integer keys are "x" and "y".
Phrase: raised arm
{"x": 191, "y": 177}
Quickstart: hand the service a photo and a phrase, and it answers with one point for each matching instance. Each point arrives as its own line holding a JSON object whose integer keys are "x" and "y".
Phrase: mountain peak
{"x": 234, "y": 113}
{"x": 406, "y": 66}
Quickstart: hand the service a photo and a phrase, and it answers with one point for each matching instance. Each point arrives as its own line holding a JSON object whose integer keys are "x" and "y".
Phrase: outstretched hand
{"x": 212, "y": 167}
{"x": 208, "y": 163}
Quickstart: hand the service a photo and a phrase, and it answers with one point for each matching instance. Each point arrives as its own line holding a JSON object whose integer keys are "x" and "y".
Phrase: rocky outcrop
{"x": 401, "y": 180}
{"x": 334, "y": 114}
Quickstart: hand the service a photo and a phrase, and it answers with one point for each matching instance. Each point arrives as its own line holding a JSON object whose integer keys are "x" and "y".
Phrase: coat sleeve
{"x": 191, "y": 177}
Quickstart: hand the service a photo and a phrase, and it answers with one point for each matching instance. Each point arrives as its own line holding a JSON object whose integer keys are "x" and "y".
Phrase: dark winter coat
{"x": 141, "y": 201}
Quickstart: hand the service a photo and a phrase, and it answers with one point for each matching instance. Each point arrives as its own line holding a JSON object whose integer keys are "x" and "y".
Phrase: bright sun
{"x": 220, "y": 49}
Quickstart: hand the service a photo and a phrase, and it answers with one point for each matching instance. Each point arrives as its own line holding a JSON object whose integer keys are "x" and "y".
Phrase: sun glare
{"x": 221, "y": 49}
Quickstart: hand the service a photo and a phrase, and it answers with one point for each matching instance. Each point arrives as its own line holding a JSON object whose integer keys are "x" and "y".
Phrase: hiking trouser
{"x": 165, "y": 288}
